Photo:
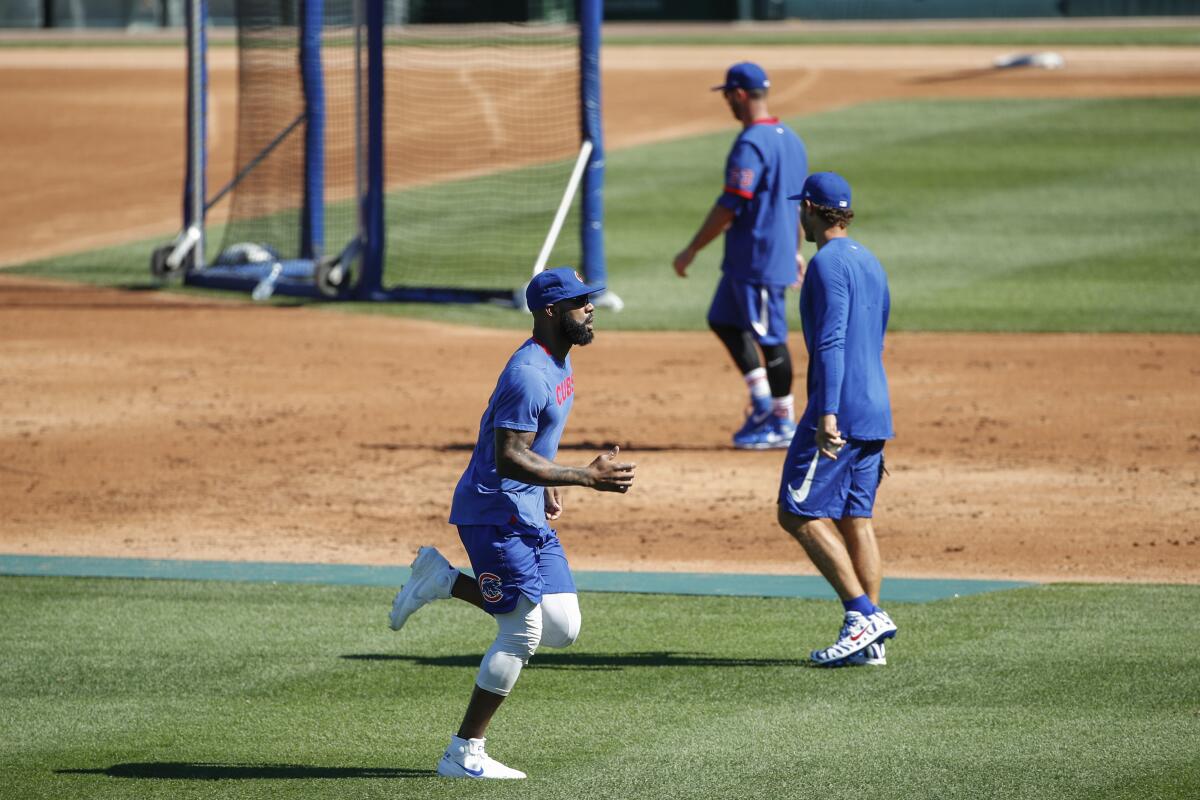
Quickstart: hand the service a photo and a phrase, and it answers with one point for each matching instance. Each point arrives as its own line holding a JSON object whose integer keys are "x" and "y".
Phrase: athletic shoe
{"x": 756, "y": 432}
{"x": 432, "y": 577}
{"x": 858, "y": 632}
{"x": 782, "y": 430}
{"x": 465, "y": 758}
{"x": 872, "y": 656}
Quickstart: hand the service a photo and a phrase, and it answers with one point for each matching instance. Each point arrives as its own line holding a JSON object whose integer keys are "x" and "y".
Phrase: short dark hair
{"x": 834, "y": 216}
{"x": 756, "y": 94}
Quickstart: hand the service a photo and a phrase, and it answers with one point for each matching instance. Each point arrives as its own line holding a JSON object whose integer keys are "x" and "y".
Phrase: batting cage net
{"x": 296, "y": 133}
{"x": 482, "y": 124}
{"x": 384, "y": 152}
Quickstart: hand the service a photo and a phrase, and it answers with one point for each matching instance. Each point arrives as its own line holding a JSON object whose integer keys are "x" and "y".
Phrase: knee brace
{"x": 520, "y": 632}
{"x": 561, "y": 618}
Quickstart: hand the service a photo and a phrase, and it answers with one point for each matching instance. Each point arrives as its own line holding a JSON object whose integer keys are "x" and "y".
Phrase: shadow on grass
{"x": 592, "y": 661}
{"x": 182, "y": 770}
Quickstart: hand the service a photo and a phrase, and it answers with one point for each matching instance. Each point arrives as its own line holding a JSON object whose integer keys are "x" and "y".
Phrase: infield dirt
{"x": 138, "y": 424}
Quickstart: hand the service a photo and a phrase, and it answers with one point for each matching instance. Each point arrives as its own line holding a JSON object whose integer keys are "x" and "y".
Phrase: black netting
{"x": 267, "y": 202}
{"x": 482, "y": 131}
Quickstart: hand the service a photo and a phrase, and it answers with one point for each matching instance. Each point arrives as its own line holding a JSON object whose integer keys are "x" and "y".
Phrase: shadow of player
{"x": 591, "y": 661}
{"x": 182, "y": 770}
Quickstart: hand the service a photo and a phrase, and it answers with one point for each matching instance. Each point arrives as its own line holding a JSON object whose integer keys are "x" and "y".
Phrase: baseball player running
{"x": 765, "y": 167}
{"x": 510, "y": 488}
{"x": 835, "y": 462}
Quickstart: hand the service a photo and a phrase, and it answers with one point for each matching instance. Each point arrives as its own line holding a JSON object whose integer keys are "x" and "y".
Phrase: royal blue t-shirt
{"x": 534, "y": 393}
{"x": 766, "y": 164}
{"x": 844, "y": 307}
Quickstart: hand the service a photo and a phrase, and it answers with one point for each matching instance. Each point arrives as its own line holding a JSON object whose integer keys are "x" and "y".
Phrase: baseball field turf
{"x": 1016, "y": 215}
{"x": 144, "y": 688}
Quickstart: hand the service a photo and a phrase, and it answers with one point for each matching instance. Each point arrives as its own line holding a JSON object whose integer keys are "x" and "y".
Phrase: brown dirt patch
{"x": 161, "y": 426}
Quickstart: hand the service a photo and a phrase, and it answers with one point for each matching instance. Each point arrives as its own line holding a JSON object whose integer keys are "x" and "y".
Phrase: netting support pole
{"x": 370, "y": 281}
{"x": 564, "y": 206}
{"x": 312, "y": 220}
{"x": 194, "y": 183}
{"x": 595, "y": 269}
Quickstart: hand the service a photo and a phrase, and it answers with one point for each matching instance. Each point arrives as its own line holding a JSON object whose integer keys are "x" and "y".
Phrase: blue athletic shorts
{"x": 814, "y": 485}
{"x": 514, "y": 560}
{"x": 758, "y": 308}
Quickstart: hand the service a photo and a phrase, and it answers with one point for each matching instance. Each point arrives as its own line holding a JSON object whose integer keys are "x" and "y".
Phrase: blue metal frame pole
{"x": 371, "y": 280}
{"x": 312, "y": 222}
{"x": 595, "y": 268}
{"x": 195, "y": 187}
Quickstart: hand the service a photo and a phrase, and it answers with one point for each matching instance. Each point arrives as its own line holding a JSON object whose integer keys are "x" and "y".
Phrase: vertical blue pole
{"x": 312, "y": 221}
{"x": 371, "y": 280}
{"x": 595, "y": 269}
{"x": 195, "y": 189}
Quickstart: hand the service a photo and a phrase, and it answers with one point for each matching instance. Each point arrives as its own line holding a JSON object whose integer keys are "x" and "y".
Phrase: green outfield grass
{"x": 1032, "y": 36}
{"x": 177, "y": 689}
{"x": 1017, "y": 215}
{"x": 987, "y": 32}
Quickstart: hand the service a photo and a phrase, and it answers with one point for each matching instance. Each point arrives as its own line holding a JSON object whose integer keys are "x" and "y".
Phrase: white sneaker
{"x": 432, "y": 578}
{"x": 858, "y": 632}
{"x": 465, "y": 758}
{"x": 873, "y": 656}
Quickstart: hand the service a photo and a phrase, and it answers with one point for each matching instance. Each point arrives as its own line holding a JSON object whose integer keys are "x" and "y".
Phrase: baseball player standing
{"x": 835, "y": 462}
{"x": 510, "y": 488}
{"x": 765, "y": 167}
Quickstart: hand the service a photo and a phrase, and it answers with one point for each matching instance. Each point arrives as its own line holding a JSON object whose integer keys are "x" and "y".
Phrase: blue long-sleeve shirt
{"x": 844, "y": 306}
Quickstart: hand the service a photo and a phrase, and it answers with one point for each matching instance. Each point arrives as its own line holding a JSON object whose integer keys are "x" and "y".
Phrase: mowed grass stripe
{"x": 113, "y": 689}
{"x": 1013, "y": 215}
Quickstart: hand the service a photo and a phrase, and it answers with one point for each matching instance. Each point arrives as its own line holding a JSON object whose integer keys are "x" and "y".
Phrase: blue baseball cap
{"x": 552, "y": 285}
{"x": 744, "y": 75}
{"x": 826, "y": 189}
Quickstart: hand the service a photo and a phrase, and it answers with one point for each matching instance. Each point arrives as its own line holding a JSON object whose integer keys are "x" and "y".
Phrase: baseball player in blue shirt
{"x": 835, "y": 462}
{"x": 511, "y": 487}
{"x": 765, "y": 168}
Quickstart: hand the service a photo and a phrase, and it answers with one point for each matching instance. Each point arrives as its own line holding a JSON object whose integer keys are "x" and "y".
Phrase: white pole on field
{"x": 585, "y": 152}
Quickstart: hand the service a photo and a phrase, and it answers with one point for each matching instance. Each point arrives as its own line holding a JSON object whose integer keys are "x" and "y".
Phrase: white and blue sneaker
{"x": 756, "y": 432}
{"x": 873, "y": 656}
{"x": 857, "y": 634}
{"x": 466, "y": 758}
{"x": 782, "y": 429}
{"x": 432, "y": 579}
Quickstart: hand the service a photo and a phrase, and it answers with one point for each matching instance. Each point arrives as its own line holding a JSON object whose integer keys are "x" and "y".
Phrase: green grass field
{"x": 127, "y": 688}
{"x": 1081, "y": 32}
{"x": 1021, "y": 215}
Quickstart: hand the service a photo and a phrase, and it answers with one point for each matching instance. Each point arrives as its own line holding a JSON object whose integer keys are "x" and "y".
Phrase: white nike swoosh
{"x": 798, "y": 495}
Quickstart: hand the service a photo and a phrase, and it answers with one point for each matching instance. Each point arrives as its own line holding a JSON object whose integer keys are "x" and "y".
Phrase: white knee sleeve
{"x": 560, "y": 616}
{"x": 518, "y": 638}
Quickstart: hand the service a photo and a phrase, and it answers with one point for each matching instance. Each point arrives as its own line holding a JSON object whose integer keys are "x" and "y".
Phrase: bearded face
{"x": 577, "y": 332}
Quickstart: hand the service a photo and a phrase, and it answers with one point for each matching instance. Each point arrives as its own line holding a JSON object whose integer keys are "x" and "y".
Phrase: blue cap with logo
{"x": 826, "y": 189}
{"x": 744, "y": 75}
{"x": 552, "y": 285}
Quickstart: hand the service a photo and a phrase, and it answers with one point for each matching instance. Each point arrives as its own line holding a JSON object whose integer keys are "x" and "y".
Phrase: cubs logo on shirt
{"x": 490, "y": 587}
{"x": 740, "y": 182}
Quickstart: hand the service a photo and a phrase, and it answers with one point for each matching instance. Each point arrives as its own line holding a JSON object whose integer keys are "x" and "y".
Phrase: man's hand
{"x": 554, "y": 498}
{"x": 829, "y": 438}
{"x": 610, "y": 475}
{"x": 683, "y": 260}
